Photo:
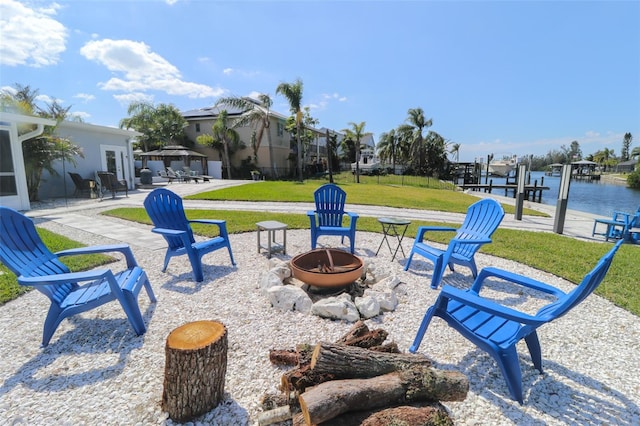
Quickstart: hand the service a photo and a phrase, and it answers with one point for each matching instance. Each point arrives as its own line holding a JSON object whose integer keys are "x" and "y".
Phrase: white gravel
{"x": 97, "y": 371}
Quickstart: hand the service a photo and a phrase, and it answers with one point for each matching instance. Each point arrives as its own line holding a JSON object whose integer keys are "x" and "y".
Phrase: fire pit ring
{"x": 327, "y": 268}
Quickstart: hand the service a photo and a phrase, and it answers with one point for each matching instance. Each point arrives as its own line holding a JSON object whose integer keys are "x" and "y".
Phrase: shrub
{"x": 633, "y": 180}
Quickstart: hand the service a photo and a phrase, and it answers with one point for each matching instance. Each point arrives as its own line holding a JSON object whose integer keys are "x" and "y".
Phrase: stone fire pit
{"x": 359, "y": 289}
{"x": 327, "y": 268}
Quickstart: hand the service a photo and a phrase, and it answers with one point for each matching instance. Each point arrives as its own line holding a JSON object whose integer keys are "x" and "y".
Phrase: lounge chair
{"x": 483, "y": 218}
{"x": 109, "y": 182}
{"x": 81, "y": 185}
{"x": 497, "y": 328}
{"x": 24, "y": 253}
{"x": 619, "y": 226}
{"x": 326, "y": 219}
{"x": 166, "y": 211}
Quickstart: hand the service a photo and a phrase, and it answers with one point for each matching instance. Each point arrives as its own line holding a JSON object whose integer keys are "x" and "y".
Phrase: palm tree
{"x": 141, "y": 120}
{"x": 258, "y": 115}
{"x": 388, "y": 147}
{"x": 160, "y": 125}
{"x": 293, "y": 93}
{"x": 356, "y": 133}
{"x": 41, "y": 152}
{"x": 455, "y": 149}
{"x": 405, "y": 138}
{"x": 418, "y": 122}
{"x": 21, "y": 99}
{"x": 626, "y": 144}
{"x": 224, "y": 132}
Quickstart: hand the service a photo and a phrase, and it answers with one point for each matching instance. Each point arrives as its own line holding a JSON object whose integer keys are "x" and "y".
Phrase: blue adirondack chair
{"x": 167, "y": 214}
{"x": 619, "y": 226}
{"x": 481, "y": 221}
{"x": 496, "y": 328}
{"x": 326, "y": 219}
{"x": 24, "y": 253}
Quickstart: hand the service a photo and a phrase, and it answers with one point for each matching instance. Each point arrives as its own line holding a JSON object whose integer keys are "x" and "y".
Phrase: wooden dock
{"x": 531, "y": 192}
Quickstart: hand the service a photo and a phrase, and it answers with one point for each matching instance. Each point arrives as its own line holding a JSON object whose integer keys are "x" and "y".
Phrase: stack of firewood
{"x": 360, "y": 380}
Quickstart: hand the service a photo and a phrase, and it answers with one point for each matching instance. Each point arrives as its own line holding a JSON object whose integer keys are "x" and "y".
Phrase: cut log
{"x": 299, "y": 379}
{"x": 272, "y": 401}
{"x": 350, "y": 362}
{"x": 283, "y": 357}
{"x": 387, "y": 347}
{"x": 359, "y": 329}
{"x": 433, "y": 415}
{"x": 299, "y": 356}
{"x": 195, "y": 369}
{"x": 358, "y": 335}
{"x": 276, "y": 415}
{"x": 333, "y": 398}
{"x": 372, "y": 338}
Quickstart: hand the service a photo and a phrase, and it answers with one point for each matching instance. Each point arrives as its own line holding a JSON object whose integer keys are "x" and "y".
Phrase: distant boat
{"x": 503, "y": 167}
{"x": 555, "y": 169}
{"x": 368, "y": 163}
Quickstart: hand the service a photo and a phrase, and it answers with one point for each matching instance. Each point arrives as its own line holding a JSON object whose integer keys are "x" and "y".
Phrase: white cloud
{"x": 141, "y": 69}
{"x": 319, "y": 106}
{"x": 254, "y": 95}
{"x": 85, "y": 97}
{"x": 128, "y": 98}
{"x": 80, "y": 114}
{"x": 326, "y": 99}
{"x": 334, "y": 96}
{"x": 30, "y": 37}
{"x": 48, "y": 99}
{"x": 239, "y": 72}
{"x": 10, "y": 90}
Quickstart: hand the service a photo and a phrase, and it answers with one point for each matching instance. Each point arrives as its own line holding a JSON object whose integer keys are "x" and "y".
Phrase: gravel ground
{"x": 97, "y": 371}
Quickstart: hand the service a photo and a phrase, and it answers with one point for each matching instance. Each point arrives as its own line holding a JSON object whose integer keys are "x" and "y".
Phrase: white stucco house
{"x": 13, "y": 180}
{"x": 104, "y": 148}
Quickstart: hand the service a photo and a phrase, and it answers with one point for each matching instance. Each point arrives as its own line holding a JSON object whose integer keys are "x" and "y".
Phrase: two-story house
{"x": 201, "y": 122}
{"x": 283, "y": 145}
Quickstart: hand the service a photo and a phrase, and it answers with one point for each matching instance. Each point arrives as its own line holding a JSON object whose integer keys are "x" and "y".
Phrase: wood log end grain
{"x": 195, "y": 335}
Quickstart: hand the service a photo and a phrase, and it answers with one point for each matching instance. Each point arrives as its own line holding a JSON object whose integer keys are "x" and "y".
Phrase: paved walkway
{"x": 70, "y": 213}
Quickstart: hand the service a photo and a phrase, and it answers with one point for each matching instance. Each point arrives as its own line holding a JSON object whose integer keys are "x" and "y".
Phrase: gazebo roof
{"x": 584, "y": 163}
{"x": 172, "y": 151}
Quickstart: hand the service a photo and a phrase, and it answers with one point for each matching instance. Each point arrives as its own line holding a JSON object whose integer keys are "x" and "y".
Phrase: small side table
{"x": 395, "y": 228}
{"x": 271, "y": 226}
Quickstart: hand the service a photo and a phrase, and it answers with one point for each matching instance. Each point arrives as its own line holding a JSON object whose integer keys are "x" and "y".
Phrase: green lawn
{"x": 411, "y": 197}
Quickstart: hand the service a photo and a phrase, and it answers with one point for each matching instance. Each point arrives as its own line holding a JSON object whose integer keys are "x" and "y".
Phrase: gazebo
{"x": 174, "y": 153}
{"x": 583, "y": 167}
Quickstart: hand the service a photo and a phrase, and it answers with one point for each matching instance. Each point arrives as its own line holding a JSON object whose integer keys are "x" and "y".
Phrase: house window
{"x": 280, "y": 129}
{"x": 197, "y": 127}
{"x": 7, "y": 174}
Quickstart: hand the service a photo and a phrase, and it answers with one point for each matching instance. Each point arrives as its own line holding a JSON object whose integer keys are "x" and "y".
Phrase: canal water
{"x": 596, "y": 197}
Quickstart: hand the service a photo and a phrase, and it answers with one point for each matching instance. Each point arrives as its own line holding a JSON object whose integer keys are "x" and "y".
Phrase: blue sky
{"x": 506, "y": 77}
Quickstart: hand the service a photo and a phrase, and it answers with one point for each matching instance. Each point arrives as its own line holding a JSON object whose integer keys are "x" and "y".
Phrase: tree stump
{"x": 195, "y": 368}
